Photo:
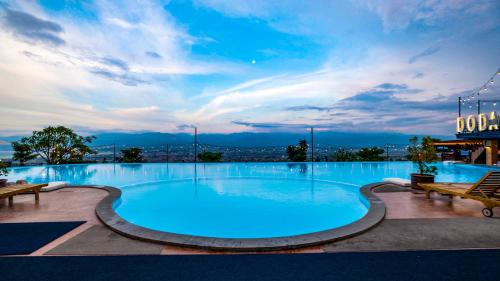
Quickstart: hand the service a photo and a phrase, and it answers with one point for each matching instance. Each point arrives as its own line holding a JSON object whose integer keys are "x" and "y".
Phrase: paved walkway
{"x": 424, "y": 234}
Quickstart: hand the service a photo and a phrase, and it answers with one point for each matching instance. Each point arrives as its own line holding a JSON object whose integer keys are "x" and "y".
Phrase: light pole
{"x": 387, "y": 146}
{"x": 312, "y": 144}
{"x": 195, "y": 143}
{"x": 168, "y": 150}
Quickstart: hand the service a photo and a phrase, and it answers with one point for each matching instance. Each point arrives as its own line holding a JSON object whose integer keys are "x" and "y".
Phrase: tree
{"x": 371, "y": 154}
{"x": 423, "y": 154}
{"x": 22, "y": 152}
{"x": 132, "y": 155}
{"x": 58, "y": 145}
{"x": 208, "y": 156}
{"x": 3, "y": 169}
{"x": 342, "y": 155}
{"x": 297, "y": 153}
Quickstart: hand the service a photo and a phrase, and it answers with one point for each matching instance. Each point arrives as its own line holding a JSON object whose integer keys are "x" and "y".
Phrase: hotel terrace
{"x": 249, "y": 140}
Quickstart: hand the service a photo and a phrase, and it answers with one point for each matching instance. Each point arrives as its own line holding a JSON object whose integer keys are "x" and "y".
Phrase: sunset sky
{"x": 232, "y": 66}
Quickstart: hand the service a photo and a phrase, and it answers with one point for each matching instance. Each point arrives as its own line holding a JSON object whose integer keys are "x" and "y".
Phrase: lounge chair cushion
{"x": 398, "y": 181}
{"x": 54, "y": 186}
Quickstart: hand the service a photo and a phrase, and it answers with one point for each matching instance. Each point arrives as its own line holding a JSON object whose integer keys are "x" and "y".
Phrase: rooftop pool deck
{"x": 240, "y": 206}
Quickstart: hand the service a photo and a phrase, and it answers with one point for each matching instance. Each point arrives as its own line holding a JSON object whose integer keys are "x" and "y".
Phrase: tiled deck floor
{"x": 79, "y": 203}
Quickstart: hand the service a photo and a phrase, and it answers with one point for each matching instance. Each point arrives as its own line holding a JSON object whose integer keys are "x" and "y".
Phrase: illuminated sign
{"x": 479, "y": 123}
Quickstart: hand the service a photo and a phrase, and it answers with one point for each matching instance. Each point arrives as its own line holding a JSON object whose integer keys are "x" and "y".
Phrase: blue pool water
{"x": 240, "y": 200}
{"x": 241, "y": 207}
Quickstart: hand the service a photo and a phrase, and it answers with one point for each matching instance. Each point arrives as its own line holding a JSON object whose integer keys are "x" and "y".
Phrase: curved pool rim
{"x": 106, "y": 213}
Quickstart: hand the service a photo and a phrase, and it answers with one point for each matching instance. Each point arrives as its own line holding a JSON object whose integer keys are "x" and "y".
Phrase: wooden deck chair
{"x": 485, "y": 191}
{"x": 12, "y": 190}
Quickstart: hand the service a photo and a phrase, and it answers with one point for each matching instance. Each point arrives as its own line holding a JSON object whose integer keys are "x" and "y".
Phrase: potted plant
{"x": 424, "y": 155}
{"x": 3, "y": 173}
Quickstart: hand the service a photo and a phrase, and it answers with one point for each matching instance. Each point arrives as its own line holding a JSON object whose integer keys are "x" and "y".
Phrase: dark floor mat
{"x": 100, "y": 240}
{"x": 25, "y": 238}
{"x": 387, "y": 266}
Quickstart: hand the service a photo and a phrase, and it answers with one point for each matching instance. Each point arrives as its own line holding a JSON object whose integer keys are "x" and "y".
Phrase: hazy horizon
{"x": 244, "y": 66}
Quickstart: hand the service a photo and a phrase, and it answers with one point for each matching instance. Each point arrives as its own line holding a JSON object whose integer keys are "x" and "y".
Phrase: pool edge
{"x": 106, "y": 214}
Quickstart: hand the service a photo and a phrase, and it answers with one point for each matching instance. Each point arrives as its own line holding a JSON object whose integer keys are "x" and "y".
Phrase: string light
{"x": 483, "y": 88}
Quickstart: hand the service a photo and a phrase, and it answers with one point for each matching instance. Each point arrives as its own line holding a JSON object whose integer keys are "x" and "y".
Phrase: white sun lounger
{"x": 398, "y": 181}
{"x": 54, "y": 186}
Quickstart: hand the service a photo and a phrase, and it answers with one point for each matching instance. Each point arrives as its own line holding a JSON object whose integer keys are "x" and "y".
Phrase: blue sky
{"x": 231, "y": 66}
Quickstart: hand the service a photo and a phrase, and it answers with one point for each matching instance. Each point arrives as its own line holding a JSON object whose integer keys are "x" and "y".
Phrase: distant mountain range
{"x": 340, "y": 139}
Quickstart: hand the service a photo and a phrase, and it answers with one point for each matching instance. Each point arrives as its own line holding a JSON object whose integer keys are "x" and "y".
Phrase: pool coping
{"x": 106, "y": 214}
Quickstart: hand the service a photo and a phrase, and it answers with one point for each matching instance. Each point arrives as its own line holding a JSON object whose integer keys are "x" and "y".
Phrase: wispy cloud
{"x": 307, "y": 107}
{"x": 121, "y": 78}
{"x": 418, "y": 75}
{"x": 32, "y": 28}
{"x": 144, "y": 65}
{"x": 427, "y": 52}
{"x": 115, "y": 63}
{"x": 391, "y": 86}
{"x": 396, "y": 14}
{"x": 136, "y": 110}
{"x": 154, "y": 55}
{"x": 184, "y": 127}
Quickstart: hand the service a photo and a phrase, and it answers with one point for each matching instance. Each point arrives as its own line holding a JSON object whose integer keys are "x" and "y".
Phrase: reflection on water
{"x": 297, "y": 167}
{"x": 69, "y": 173}
{"x": 354, "y": 173}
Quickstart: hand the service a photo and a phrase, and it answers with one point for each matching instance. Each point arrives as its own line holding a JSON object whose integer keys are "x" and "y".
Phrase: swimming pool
{"x": 239, "y": 200}
{"x": 352, "y": 173}
{"x": 241, "y": 207}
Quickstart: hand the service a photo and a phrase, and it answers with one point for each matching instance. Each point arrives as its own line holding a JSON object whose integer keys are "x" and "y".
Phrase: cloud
{"x": 155, "y": 59}
{"x": 136, "y": 110}
{"x": 32, "y": 28}
{"x": 307, "y": 107}
{"x": 153, "y": 55}
{"x": 391, "y": 103}
{"x": 120, "y": 23}
{"x": 124, "y": 79}
{"x": 390, "y": 86}
{"x": 427, "y": 52}
{"x": 418, "y": 75}
{"x": 310, "y": 18}
{"x": 370, "y": 96}
{"x": 116, "y": 63}
{"x": 184, "y": 127}
{"x": 270, "y": 125}
{"x": 400, "y": 14}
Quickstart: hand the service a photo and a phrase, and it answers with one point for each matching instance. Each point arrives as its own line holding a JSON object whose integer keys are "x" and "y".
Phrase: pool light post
{"x": 114, "y": 152}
